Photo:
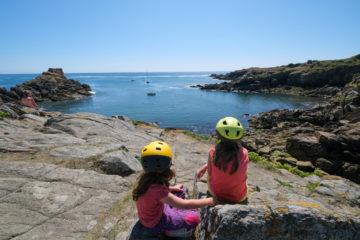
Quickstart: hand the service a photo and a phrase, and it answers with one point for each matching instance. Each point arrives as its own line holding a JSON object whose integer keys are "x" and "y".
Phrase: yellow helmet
{"x": 156, "y": 157}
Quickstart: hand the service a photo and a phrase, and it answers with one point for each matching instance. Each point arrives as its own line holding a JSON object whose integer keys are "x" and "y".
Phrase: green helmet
{"x": 230, "y": 128}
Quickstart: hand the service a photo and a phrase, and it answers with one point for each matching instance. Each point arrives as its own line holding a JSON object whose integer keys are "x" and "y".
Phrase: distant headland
{"x": 313, "y": 78}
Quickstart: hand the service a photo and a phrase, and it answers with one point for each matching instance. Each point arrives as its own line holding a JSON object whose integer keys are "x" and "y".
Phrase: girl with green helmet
{"x": 227, "y": 163}
{"x": 162, "y": 208}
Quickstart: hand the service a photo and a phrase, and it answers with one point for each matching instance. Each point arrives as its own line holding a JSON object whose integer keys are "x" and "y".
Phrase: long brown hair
{"x": 227, "y": 151}
{"x": 147, "y": 178}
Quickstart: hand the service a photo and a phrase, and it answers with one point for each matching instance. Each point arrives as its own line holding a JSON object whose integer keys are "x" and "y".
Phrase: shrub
{"x": 263, "y": 162}
{"x": 3, "y": 115}
{"x": 311, "y": 186}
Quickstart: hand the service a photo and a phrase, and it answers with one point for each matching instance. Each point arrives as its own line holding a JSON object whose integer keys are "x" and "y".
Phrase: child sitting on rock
{"x": 227, "y": 163}
{"x": 161, "y": 208}
{"x": 29, "y": 102}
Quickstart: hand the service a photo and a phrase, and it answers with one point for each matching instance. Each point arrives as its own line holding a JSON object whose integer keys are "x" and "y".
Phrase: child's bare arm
{"x": 176, "y": 188}
{"x": 202, "y": 171}
{"x": 180, "y": 203}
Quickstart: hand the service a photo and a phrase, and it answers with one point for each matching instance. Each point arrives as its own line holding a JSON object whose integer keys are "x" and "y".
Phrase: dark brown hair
{"x": 27, "y": 93}
{"x": 147, "y": 178}
{"x": 227, "y": 151}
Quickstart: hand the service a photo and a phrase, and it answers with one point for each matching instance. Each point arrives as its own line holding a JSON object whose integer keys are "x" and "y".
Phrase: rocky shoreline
{"x": 69, "y": 176}
{"x": 49, "y": 86}
{"x": 47, "y": 178}
{"x": 325, "y": 137}
{"x": 313, "y": 78}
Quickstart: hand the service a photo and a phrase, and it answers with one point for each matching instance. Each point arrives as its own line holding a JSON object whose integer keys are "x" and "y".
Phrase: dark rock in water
{"x": 49, "y": 86}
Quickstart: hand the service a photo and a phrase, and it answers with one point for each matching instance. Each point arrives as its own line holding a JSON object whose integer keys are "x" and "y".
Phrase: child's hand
{"x": 201, "y": 172}
{"x": 177, "y": 188}
{"x": 212, "y": 201}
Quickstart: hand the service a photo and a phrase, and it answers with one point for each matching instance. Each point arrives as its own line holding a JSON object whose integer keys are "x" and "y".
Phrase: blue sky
{"x": 173, "y": 35}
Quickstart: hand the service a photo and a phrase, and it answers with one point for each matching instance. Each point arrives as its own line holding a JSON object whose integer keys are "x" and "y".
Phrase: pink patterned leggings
{"x": 174, "y": 218}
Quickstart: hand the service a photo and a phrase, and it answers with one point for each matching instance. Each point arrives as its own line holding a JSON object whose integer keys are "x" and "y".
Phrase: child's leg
{"x": 174, "y": 218}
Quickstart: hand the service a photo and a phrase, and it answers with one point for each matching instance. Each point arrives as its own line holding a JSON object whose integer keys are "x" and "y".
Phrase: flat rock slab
{"x": 44, "y": 201}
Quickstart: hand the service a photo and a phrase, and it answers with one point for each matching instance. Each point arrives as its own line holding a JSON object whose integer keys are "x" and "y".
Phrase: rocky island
{"x": 52, "y": 85}
{"x": 69, "y": 176}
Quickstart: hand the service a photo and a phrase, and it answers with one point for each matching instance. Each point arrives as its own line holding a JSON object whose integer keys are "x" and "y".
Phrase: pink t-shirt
{"x": 29, "y": 102}
{"x": 226, "y": 186}
{"x": 149, "y": 206}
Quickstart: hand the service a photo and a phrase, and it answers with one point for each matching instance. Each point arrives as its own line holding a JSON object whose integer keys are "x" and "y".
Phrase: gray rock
{"x": 32, "y": 117}
{"x": 341, "y": 188}
{"x": 8, "y": 110}
{"x": 295, "y": 220}
{"x": 325, "y": 191}
{"x": 313, "y": 179}
{"x": 264, "y": 150}
{"x": 83, "y": 151}
{"x": 44, "y": 201}
{"x": 119, "y": 162}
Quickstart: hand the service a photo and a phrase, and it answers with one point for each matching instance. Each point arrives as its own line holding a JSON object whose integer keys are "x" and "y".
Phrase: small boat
{"x": 147, "y": 82}
{"x": 133, "y": 80}
{"x": 151, "y": 94}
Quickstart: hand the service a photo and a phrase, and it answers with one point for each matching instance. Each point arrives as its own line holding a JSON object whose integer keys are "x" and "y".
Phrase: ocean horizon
{"x": 165, "y": 98}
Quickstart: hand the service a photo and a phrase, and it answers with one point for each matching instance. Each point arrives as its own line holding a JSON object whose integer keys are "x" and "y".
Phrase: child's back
{"x": 227, "y": 163}
{"x": 227, "y": 186}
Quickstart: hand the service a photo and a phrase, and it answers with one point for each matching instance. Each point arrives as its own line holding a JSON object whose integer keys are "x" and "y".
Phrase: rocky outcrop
{"x": 48, "y": 188}
{"x": 285, "y": 206}
{"x": 325, "y": 137}
{"x": 313, "y": 78}
{"x": 277, "y": 221}
{"x": 49, "y": 86}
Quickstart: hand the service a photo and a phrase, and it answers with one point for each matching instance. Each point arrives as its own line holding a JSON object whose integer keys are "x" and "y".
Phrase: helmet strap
{"x": 219, "y": 141}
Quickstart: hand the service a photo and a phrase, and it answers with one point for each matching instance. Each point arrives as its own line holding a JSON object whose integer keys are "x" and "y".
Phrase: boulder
{"x": 326, "y": 165}
{"x": 306, "y": 166}
{"x": 329, "y": 140}
{"x": 295, "y": 220}
{"x": 119, "y": 162}
{"x": 305, "y": 148}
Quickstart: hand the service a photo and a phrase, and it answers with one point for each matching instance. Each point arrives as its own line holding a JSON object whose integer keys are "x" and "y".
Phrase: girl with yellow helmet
{"x": 227, "y": 163}
{"x": 161, "y": 208}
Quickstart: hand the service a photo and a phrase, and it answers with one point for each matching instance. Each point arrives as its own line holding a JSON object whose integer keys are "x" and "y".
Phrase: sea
{"x": 172, "y": 102}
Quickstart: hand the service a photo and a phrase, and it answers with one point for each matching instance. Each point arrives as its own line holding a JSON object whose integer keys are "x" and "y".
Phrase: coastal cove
{"x": 175, "y": 104}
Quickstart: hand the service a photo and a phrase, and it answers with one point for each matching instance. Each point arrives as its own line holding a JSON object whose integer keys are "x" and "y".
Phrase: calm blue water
{"x": 175, "y": 103}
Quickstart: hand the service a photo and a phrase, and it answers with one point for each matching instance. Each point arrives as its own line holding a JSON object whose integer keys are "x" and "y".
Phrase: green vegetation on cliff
{"x": 312, "y": 74}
